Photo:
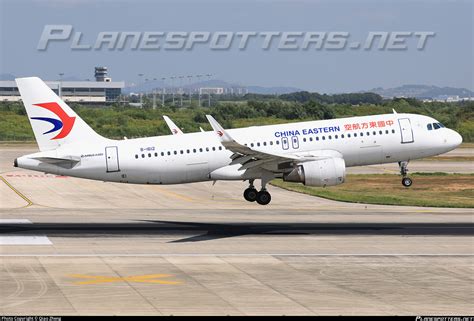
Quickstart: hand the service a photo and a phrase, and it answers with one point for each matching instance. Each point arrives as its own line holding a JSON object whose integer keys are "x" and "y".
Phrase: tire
{"x": 250, "y": 194}
{"x": 263, "y": 197}
{"x": 407, "y": 182}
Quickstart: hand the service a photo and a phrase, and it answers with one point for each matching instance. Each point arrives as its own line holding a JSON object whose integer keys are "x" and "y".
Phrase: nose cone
{"x": 454, "y": 139}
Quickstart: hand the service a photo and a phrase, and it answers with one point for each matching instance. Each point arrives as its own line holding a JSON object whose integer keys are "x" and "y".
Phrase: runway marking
{"x": 173, "y": 194}
{"x": 36, "y": 175}
{"x": 17, "y": 192}
{"x": 151, "y": 278}
{"x": 22, "y": 240}
{"x": 78, "y": 255}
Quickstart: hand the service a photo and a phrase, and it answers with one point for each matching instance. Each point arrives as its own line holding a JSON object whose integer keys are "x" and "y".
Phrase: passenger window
{"x": 278, "y": 142}
{"x": 194, "y": 150}
{"x": 162, "y": 154}
{"x": 213, "y": 149}
{"x": 355, "y": 134}
{"x": 393, "y": 131}
{"x": 175, "y": 152}
{"x": 329, "y": 137}
{"x": 311, "y": 139}
{"x": 349, "y": 135}
{"x": 258, "y": 144}
{"x": 251, "y": 145}
{"x": 342, "y": 136}
{"x": 169, "y": 153}
{"x": 188, "y": 151}
{"x": 136, "y": 156}
{"x": 200, "y": 149}
{"x": 386, "y": 131}
{"x": 317, "y": 138}
{"x": 374, "y": 133}
{"x": 143, "y": 155}
{"x": 156, "y": 154}
{"x": 271, "y": 142}
{"x": 335, "y": 136}
{"x": 324, "y": 138}
{"x": 220, "y": 147}
{"x": 207, "y": 149}
{"x": 304, "y": 140}
{"x": 361, "y": 134}
{"x": 430, "y": 127}
{"x": 368, "y": 133}
{"x": 380, "y": 132}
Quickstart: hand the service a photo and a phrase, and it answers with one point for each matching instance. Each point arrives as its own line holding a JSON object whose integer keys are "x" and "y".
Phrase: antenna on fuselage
{"x": 394, "y": 111}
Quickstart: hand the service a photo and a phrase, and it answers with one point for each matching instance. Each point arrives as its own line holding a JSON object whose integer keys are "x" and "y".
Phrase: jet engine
{"x": 324, "y": 172}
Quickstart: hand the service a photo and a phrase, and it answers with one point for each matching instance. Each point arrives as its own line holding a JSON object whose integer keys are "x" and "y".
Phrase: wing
{"x": 251, "y": 158}
{"x": 175, "y": 130}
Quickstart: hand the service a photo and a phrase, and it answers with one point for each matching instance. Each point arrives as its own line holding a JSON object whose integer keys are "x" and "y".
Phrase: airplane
{"x": 175, "y": 130}
{"x": 315, "y": 153}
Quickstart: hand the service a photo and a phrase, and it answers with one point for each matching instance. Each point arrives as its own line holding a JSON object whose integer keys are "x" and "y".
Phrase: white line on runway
{"x": 22, "y": 240}
{"x": 241, "y": 255}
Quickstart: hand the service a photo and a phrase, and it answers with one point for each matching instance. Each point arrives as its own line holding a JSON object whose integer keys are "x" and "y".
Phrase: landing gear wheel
{"x": 406, "y": 181}
{"x": 250, "y": 194}
{"x": 263, "y": 198}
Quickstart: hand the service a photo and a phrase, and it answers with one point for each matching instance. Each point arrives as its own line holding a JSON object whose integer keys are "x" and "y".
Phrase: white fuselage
{"x": 200, "y": 156}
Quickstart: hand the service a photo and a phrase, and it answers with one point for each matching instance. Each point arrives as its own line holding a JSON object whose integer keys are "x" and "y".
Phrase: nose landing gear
{"x": 406, "y": 181}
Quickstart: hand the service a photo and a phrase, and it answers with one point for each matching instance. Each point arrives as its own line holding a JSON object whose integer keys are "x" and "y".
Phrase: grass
{"x": 428, "y": 190}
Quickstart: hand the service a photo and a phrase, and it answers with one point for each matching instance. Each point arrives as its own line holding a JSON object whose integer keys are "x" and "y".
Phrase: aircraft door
{"x": 284, "y": 143}
{"x": 111, "y": 159}
{"x": 406, "y": 130}
{"x": 295, "y": 142}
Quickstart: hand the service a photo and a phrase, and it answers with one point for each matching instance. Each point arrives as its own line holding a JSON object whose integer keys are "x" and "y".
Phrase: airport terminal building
{"x": 102, "y": 90}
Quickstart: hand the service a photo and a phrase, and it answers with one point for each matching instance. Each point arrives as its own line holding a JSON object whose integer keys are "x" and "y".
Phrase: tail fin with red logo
{"x": 54, "y": 123}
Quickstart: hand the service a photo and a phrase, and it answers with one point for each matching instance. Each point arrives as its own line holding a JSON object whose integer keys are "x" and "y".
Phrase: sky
{"x": 446, "y": 60}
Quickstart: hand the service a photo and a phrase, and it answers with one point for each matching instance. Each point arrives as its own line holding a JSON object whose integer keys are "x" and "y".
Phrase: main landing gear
{"x": 406, "y": 181}
{"x": 262, "y": 197}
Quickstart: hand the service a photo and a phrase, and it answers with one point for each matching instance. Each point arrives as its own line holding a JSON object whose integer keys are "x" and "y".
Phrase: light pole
{"x": 181, "y": 90}
{"x": 208, "y": 91}
{"x": 139, "y": 83}
{"x": 60, "y": 89}
{"x": 154, "y": 96}
{"x": 163, "y": 92}
{"x": 190, "y": 89}
{"x": 199, "y": 90}
{"x": 172, "y": 87}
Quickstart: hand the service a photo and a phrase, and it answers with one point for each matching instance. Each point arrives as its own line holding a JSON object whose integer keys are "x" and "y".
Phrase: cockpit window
{"x": 430, "y": 127}
{"x": 436, "y": 126}
{"x": 441, "y": 125}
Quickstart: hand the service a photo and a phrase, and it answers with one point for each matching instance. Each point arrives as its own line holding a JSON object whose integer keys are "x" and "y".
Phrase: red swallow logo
{"x": 220, "y": 133}
{"x": 65, "y": 124}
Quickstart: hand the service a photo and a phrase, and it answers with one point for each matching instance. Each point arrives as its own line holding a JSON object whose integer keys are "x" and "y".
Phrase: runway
{"x": 79, "y": 247}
